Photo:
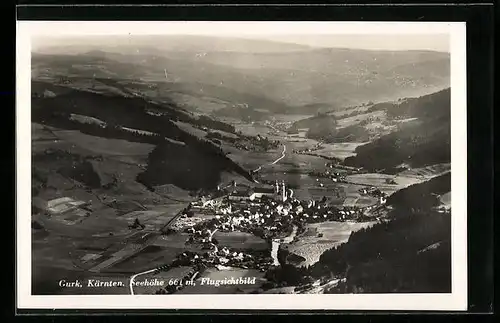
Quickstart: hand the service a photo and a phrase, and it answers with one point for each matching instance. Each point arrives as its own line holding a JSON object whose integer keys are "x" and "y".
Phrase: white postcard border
{"x": 457, "y": 300}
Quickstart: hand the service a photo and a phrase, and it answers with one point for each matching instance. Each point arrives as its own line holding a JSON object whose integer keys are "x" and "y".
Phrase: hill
{"x": 129, "y": 119}
{"x": 410, "y": 253}
{"x": 298, "y": 80}
{"x": 421, "y": 143}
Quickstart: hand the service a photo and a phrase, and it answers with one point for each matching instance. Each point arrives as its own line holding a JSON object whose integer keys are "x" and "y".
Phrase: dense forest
{"x": 410, "y": 253}
{"x": 432, "y": 106}
{"x": 190, "y": 167}
{"x": 119, "y": 110}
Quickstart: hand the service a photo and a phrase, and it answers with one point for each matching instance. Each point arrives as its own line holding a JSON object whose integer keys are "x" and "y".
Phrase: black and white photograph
{"x": 198, "y": 163}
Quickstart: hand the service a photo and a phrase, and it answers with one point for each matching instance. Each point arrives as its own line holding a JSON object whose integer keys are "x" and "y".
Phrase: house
{"x": 239, "y": 194}
{"x": 259, "y": 192}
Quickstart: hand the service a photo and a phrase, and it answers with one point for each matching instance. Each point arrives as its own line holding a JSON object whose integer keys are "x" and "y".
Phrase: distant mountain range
{"x": 265, "y": 75}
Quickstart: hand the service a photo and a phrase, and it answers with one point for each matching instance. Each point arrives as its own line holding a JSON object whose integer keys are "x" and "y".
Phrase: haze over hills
{"x": 154, "y": 44}
{"x": 287, "y": 77}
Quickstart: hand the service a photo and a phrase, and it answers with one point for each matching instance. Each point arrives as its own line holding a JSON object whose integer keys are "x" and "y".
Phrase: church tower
{"x": 283, "y": 191}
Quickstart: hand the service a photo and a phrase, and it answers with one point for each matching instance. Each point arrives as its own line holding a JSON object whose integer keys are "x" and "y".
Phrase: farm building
{"x": 239, "y": 196}
{"x": 259, "y": 192}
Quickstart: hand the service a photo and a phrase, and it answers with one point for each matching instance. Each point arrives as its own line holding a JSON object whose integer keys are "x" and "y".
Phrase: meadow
{"x": 104, "y": 146}
{"x": 240, "y": 240}
{"x": 319, "y": 237}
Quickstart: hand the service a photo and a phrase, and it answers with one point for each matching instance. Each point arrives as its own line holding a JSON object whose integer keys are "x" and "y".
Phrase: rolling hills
{"x": 425, "y": 141}
{"x": 264, "y": 75}
{"x": 127, "y": 118}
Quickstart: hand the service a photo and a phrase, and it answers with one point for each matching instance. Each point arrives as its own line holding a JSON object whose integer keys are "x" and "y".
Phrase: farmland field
{"x": 252, "y": 129}
{"x": 344, "y": 112}
{"x": 148, "y": 258}
{"x": 252, "y": 160}
{"x": 427, "y": 172}
{"x": 177, "y": 240}
{"x": 311, "y": 246}
{"x": 339, "y": 150}
{"x": 349, "y": 121}
{"x": 204, "y": 104}
{"x": 157, "y": 218}
{"x": 285, "y": 118}
{"x": 240, "y": 240}
{"x": 104, "y": 146}
{"x": 379, "y": 181}
{"x": 40, "y": 132}
{"x": 190, "y": 129}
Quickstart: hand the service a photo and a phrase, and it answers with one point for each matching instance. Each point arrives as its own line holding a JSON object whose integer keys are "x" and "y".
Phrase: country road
{"x": 134, "y": 276}
{"x": 283, "y": 153}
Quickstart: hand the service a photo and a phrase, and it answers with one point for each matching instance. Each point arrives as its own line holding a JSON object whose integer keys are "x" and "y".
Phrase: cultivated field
{"x": 240, "y": 240}
{"x": 350, "y": 121}
{"x": 379, "y": 181}
{"x": 150, "y": 257}
{"x": 154, "y": 219}
{"x": 344, "y": 112}
{"x": 427, "y": 172}
{"x": 403, "y": 179}
{"x": 104, "y": 146}
{"x": 190, "y": 129}
{"x": 311, "y": 245}
{"x": 197, "y": 103}
{"x": 252, "y": 129}
{"x": 339, "y": 150}
{"x": 40, "y": 132}
{"x": 252, "y": 160}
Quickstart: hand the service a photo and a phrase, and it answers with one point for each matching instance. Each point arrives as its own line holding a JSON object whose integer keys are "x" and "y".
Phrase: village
{"x": 271, "y": 213}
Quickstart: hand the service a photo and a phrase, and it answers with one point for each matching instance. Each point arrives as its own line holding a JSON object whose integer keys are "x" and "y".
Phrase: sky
{"x": 433, "y": 42}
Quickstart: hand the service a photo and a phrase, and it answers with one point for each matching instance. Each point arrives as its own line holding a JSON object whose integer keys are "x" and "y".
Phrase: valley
{"x": 186, "y": 167}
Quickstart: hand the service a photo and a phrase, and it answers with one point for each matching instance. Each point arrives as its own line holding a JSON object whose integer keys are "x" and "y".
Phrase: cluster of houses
{"x": 349, "y": 169}
{"x": 334, "y": 176}
{"x": 317, "y": 146}
{"x": 268, "y": 212}
{"x": 224, "y": 257}
{"x": 271, "y": 211}
{"x": 375, "y": 192}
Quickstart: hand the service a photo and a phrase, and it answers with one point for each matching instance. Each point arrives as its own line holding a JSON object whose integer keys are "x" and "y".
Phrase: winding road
{"x": 134, "y": 276}
{"x": 283, "y": 153}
